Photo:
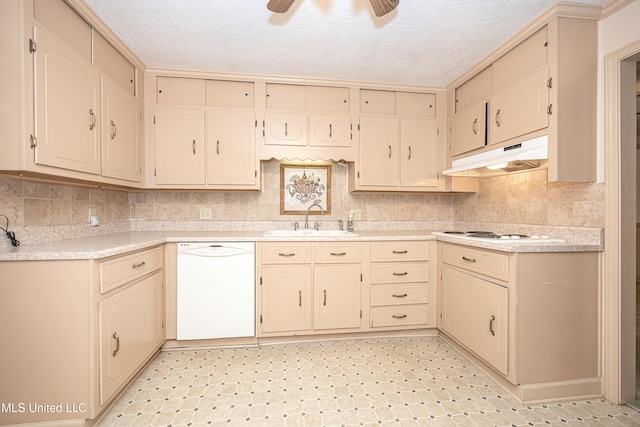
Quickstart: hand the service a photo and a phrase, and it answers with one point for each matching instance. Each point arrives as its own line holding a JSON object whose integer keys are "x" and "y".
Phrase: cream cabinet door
{"x": 121, "y": 151}
{"x": 475, "y": 312}
{"x": 519, "y": 108}
{"x": 329, "y": 131}
{"x": 285, "y": 129}
{"x": 67, "y": 107}
{"x": 418, "y": 152}
{"x": 379, "y": 151}
{"x": 469, "y": 129}
{"x": 180, "y": 146}
{"x": 336, "y": 296}
{"x": 286, "y": 298}
{"x": 231, "y": 148}
{"x": 130, "y": 332}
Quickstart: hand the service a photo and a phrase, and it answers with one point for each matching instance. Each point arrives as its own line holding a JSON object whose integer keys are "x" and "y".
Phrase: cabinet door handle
{"x": 493, "y": 318}
{"x": 469, "y": 259}
{"x": 218, "y": 147}
{"x": 286, "y": 129}
{"x": 138, "y": 265}
{"x": 115, "y": 335}
{"x": 400, "y": 295}
{"x": 330, "y": 131}
{"x": 400, "y": 274}
{"x": 400, "y": 252}
{"x": 399, "y": 316}
{"x": 338, "y": 253}
{"x": 286, "y": 255}
{"x": 389, "y": 151}
{"x": 299, "y": 298}
{"x": 409, "y": 153}
{"x": 474, "y": 127}
{"x": 325, "y": 297}
{"x": 498, "y": 118}
{"x": 193, "y": 146}
{"x": 93, "y": 119}
{"x": 114, "y": 128}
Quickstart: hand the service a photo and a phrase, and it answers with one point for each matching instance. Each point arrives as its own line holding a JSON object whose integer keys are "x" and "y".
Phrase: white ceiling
{"x": 425, "y": 43}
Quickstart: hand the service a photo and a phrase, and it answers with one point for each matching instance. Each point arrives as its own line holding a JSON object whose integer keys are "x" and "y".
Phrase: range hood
{"x": 525, "y": 155}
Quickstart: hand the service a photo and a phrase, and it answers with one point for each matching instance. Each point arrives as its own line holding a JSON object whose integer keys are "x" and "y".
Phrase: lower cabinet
{"x": 130, "y": 332}
{"x": 286, "y": 298}
{"x": 77, "y": 341}
{"x": 532, "y": 318}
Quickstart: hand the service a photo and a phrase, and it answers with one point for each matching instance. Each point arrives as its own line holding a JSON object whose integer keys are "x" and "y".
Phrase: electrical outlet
{"x": 206, "y": 213}
{"x": 356, "y": 214}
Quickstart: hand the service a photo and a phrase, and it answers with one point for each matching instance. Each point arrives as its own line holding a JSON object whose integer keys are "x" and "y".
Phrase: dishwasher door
{"x": 216, "y": 290}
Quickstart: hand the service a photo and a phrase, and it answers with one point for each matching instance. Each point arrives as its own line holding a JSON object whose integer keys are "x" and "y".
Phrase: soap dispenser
{"x": 350, "y": 222}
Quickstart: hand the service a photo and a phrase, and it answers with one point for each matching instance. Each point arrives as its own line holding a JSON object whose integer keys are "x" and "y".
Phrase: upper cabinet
{"x": 398, "y": 148}
{"x": 204, "y": 134}
{"x": 78, "y": 112}
{"x": 544, "y": 85}
{"x": 303, "y": 122}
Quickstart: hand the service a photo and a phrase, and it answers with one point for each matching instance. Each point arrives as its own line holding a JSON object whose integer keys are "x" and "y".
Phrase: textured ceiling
{"x": 425, "y": 43}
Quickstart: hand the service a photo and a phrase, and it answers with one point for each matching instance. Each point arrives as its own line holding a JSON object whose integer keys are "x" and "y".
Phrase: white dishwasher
{"x": 216, "y": 290}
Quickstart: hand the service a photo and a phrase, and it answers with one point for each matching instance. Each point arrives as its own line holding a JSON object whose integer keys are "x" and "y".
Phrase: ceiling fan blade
{"x": 279, "y": 6}
{"x": 382, "y": 7}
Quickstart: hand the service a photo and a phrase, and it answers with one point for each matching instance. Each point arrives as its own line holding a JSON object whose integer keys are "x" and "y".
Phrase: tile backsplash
{"x": 42, "y": 211}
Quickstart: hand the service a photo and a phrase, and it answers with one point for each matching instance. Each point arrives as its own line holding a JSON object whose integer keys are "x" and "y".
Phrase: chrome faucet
{"x": 306, "y": 215}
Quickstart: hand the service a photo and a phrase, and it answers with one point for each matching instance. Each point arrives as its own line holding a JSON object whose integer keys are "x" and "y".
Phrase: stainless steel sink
{"x": 309, "y": 233}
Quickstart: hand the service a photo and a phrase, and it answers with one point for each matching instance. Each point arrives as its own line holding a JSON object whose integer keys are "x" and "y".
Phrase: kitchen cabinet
{"x": 402, "y": 288}
{"x": 57, "y": 73}
{"x": 309, "y": 288}
{"x": 121, "y": 133}
{"x": 530, "y": 318}
{"x": 180, "y": 146}
{"x": 307, "y": 122}
{"x": 550, "y": 73}
{"x": 67, "y": 352}
{"x": 205, "y": 134}
{"x": 398, "y": 143}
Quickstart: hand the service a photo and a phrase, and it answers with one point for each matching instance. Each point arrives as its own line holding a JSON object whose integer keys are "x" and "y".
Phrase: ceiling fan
{"x": 380, "y": 7}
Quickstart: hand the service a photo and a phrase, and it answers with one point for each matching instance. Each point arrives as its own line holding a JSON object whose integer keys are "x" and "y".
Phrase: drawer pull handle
{"x": 400, "y": 252}
{"x": 325, "y": 297}
{"x": 400, "y": 274}
{"x": 299, "y": 298}
{"x": 469, "y": 259}
{"x": 286, "y": 255}
{"x": 138, "y": 265}
{"x": 338, "y": 253}
{"x": 400, "y": 295}
{"x": 399, "y": 316}
{"x": 115, "y": 335}
{"x": 493, "y": 318}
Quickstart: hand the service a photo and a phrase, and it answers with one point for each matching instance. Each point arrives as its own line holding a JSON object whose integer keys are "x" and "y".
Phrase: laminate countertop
{"x": 106, "y": 245}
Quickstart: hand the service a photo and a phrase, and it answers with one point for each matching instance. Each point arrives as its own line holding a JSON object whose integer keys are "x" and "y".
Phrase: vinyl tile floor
{"x": 409, "y": 381}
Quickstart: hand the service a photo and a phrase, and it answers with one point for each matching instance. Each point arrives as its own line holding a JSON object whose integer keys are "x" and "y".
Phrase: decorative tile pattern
{"x": 417, "y": 381}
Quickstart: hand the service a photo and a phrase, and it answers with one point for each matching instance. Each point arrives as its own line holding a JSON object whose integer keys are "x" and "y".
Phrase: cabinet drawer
{"x": 399, "y": 294}
{"x": 324, "y": 98}
{"x": 415, "y": 104}
{"x": 377, "y": 102}
{"x": 484, "y": 262}
{"x": 285, "y": 253}
{"x": 399, "y": 251}
{"x": 120, "y": 270}
{"x": 402, "y": 315}
{"x": 221, "y": 93}
{"x": 334, "y": 253}
{"x": 400, "y": 272}
{"x": 181, "y": 91}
